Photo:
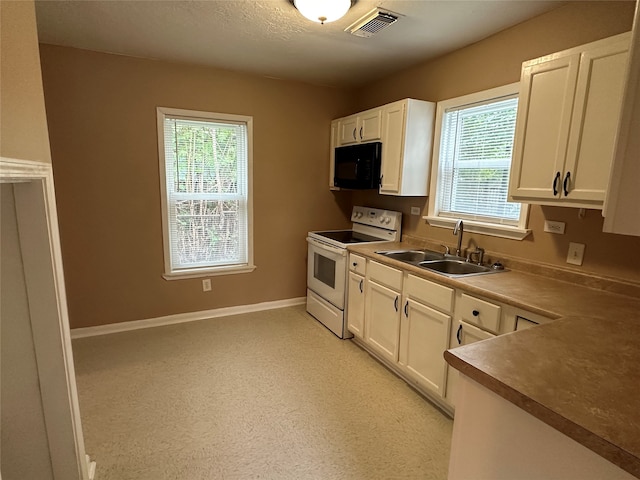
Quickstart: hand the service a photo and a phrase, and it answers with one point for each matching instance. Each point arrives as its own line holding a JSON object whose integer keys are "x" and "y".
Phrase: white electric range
{"x": 327, "y": 267}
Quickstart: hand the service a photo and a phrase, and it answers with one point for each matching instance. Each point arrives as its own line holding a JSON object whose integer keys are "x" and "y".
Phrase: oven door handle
{"x": 323, "y": 246}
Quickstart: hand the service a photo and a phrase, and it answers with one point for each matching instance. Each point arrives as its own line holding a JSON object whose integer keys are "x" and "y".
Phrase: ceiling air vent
{"x": 371, "y": 23}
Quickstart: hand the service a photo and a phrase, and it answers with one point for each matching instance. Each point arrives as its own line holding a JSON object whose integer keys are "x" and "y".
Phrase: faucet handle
{"x": 446, "y": 249}
{"x": 479, "y": 252}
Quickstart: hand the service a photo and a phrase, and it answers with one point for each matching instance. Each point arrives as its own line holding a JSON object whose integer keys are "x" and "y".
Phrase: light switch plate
{"x": 576, "y": 253}
{"x": 415, "y": 210}
{"x": 554, "y": 227}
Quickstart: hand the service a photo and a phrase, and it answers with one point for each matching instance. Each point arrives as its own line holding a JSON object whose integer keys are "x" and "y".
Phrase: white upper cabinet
{"x": 568, "y": 112}
{"x": 362, "y": 127}
{"x": 407, "y": 139}
{"x": 621, "y": 212}
{"x": 405, "y": 129}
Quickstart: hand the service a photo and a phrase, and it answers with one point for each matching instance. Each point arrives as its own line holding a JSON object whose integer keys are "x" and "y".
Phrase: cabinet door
{"x": 370, "y": 125}
{"x": 347, "y": 129}
{"x": 594, "y": 124}
{"x": 621, "y": 212}
{"x": 355, "y": 305}
{"x": 382, "y": 320}
{"x": 463, "y": 334}
{"x": 332, "y": 154}
{"x": 392, "y": 147}
{"x": 542, "y": 130}
{"x": 424, "y": 336}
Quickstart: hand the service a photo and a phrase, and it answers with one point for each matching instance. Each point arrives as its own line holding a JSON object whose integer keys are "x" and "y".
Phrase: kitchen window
{"x": 205, "y": 171}
{"x": 471, "y": 162}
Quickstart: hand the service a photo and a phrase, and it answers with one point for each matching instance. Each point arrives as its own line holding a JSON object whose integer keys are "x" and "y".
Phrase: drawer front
{"x": 357, "y": 264}
{"x": 430, "y": 293}
{"x": 387, "y": 276}
{"x": 480, "y": 313}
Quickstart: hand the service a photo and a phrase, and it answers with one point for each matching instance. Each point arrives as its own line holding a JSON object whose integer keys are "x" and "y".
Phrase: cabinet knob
{"x": 475, "y": 313}
{"x": 355, "y": 264}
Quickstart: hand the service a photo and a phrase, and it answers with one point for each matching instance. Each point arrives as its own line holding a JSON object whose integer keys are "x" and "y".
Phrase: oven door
{"x": 327, "y": 271}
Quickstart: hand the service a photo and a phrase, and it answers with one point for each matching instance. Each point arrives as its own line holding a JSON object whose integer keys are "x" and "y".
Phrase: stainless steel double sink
{"x": 449, "y": 265}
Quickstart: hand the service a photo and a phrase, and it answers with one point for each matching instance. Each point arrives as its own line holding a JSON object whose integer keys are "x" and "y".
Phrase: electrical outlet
{"x": 206, "y": 285}
{"x": 415, "y": 210}
{"x": 554, "y": 227}
{"x": 576, "y": 253}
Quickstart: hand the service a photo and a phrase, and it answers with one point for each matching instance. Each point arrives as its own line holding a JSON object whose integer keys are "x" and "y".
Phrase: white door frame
{"x": 42, "y": 261}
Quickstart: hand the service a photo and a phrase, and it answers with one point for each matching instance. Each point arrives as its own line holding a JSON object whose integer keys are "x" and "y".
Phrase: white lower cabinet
{"x": 355, "y": 304}
{"x": 382, "y": 316}
{"x": 407, "y": 322}
{"x": 424, "y": 336}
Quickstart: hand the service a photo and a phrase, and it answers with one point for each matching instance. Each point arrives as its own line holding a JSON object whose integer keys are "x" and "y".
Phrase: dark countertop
{"x": 579, "y": 375}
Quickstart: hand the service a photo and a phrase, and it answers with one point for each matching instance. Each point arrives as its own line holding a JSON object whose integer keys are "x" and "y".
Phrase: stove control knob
{"x": 382, "y": 219}
{"x": 387, "y": 220}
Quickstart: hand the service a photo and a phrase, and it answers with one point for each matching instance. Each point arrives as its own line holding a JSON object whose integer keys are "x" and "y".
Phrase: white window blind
{"x": 475, "y": 158}
{"x": 207, "y": 190}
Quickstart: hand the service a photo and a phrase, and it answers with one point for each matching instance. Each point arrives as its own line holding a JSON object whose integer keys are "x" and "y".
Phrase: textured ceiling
{"x": 270, "y": 37}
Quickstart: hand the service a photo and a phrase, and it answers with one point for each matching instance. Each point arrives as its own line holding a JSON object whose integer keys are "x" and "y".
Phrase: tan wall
{"x": 23, "y": 123}
{"x": 496, "y": 61}
{"x": 23, "y": 135}
{"x": 102, "y": 116}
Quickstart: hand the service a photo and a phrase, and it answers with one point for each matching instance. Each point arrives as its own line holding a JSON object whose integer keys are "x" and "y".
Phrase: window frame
{"x": 171, "y": 273}
{"x": 434, "y": 218}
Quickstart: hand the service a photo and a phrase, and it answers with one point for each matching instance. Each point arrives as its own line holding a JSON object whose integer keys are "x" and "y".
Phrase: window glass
{"x": 475, "y": 159}
{"x": 472, "y": 162}
{"x": 206, "y": 191}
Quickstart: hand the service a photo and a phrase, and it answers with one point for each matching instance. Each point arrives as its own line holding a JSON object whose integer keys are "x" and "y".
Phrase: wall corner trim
{"x": 183, "y": 318}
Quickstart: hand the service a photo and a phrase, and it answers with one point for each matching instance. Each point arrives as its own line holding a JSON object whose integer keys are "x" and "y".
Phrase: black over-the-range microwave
{"x": 358, "y": 166}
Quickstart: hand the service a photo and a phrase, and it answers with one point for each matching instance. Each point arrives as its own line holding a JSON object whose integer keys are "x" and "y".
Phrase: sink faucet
{"x": 459, "y": 230}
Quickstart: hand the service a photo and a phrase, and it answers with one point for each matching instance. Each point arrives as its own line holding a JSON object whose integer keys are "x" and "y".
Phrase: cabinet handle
{"x": 458, "y": 335}
{"x": 354, "y": 133}
{"x": 361, "y": 286}
{"x": 395, "y": 303}
{"x": 406, "y": 309}
{"x": 565, "y": 184}
{"x": 360, "y": 133}
{"x": 555, "y": 184}
{"x": 381, "y": 179}
{"x": 475, "y": 313}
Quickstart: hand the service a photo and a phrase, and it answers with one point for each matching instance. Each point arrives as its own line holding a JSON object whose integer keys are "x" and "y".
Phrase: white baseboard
{"x": 91, "y": 468}
{"x": 183, "y": 317}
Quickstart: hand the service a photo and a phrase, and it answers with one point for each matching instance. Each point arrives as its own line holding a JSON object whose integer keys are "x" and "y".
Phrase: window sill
{"x": 492, "y": 229}
{"x": 208, "y": 272}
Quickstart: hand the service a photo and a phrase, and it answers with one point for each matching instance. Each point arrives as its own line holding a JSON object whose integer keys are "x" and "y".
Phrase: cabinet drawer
{"x": 479, "y": 312}
{"x": 357, "y": 264}
{"x": 430, "y": 293}
{"x": 384, "y": 275}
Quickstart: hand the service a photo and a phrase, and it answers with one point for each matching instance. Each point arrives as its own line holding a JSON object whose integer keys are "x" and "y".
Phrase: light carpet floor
{"x": 267, "y": 395}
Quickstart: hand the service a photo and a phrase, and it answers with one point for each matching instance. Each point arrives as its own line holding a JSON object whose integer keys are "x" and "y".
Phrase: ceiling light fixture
{"x": 323, "y": 11}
